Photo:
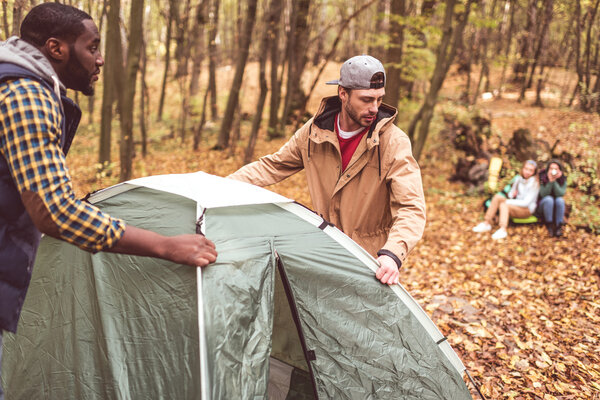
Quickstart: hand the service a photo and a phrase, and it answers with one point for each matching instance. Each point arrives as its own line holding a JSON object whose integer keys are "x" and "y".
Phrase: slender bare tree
{"x": 136, "y": 20}
{"x": 212, "y": 56}
{"x": 163, "y": 88}
{"x": 113, "y": 68}
{"x": 232, "y": 101}
{"x": 262, "y": 79}
{"x": 274, "y": 23}
{"x": 394, "y": 52}
{"x": 452, "y": 33}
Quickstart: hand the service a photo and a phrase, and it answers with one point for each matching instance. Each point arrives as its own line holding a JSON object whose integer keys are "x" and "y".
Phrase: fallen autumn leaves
{"x": 522, "y": 313}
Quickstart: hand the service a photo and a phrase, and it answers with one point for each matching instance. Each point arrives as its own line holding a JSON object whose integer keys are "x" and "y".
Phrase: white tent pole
{"x": 204, "y": 379}
{"x": 204, "y": 382}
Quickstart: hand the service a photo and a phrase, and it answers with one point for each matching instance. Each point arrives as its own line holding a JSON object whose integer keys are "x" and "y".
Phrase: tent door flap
{"x": 309, "y": 355}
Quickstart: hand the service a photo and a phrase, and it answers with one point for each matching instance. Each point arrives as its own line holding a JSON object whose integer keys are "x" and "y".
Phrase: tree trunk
{"x": 182, "y": 38}
{"x": 212, "y": 57}
{"x": 144, "y": 97}
{"x": 296, "y": 57}
{"x": 596, "y": 102}
{"x": 232, "y": 101}
{"x": 18, "y": 8}
{"x": 182, "y": 55}
{"x": 113, "y": 69}
{"x": 101, "y": 12}
{"x": 548, "y": 5}
{"x": 185, "y": 106}
{"x": 200, "y": 126}
{"x": 579, "y": 70}
{"x": 588, "y": 44}
{"x": 136, "y": 20}
{"x": 509, "y": 36}
{"x": 445, "y": 55}
{"x": 7, "y": 30}
{"x": 394, "y": 54}
{"x": 328, "y": 57}
{"x": 526, "y": 44}
{"x": 235, "y": 130}
{"x": 197, "y": 44}
{"x": 466, "y": 66}
{"x": 383, "y": 26}
{"x": 585, "y": 82}
{"x": 538, "y": 91}
{"x": 262, "y": 79}
{"x": 163, "y": 86}
{"x": 485, "y": 39}
{"x": 276, "y": 8}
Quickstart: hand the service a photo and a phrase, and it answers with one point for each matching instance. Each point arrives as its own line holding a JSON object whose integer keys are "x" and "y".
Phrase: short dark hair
{"x": 56, "y": 20}
{"x": 348, "y": 90}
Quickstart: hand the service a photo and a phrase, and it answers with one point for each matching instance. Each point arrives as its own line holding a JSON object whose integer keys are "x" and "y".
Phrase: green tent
{"x": 290, "y": 310}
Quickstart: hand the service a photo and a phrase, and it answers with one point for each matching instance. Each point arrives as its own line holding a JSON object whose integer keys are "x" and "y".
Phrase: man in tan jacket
{"x": 361, "y": 174}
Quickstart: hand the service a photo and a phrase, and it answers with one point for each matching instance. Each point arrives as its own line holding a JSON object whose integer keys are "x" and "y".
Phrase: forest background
{"x": 213, "y": 84}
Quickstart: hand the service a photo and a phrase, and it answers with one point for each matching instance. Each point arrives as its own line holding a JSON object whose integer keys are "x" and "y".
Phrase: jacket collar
{"x": 70, "y": 110}
{"x": 19, "y": 52}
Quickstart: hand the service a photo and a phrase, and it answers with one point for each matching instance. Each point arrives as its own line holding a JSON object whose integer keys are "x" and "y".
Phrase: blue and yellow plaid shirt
{"x": 30, "y": 129}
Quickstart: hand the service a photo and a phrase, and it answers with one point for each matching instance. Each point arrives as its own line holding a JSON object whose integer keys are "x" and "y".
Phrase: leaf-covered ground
{"x": 522, "y": 313}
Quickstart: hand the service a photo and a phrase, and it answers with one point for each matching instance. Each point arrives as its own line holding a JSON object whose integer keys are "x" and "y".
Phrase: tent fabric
{"x": 290, "y": 310}
{"x": 109, "y": 326}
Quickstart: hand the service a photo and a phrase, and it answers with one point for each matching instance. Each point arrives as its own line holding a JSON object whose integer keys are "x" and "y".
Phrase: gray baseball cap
{"x": 361, "y": 72}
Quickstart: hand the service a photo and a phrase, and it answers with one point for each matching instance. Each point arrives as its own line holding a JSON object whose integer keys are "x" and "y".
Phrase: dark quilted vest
{"x": 19, "y": 238}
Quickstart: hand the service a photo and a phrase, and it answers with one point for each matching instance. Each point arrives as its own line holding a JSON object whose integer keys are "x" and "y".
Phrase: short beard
{"x": 352, "y": 114}
{"x": 76, "y": 71}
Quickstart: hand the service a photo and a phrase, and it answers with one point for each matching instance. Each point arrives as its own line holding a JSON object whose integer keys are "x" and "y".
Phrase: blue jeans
{"x": 553, "y": 209}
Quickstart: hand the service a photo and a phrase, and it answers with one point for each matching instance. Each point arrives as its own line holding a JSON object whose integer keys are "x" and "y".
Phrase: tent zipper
{"x": 309, "y": 355}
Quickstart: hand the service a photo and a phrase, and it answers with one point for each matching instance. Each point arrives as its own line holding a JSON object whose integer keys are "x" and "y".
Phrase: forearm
{"x": 526, "y": 201}
{"x": 190, "y": 249}
{"x": 407, "y": 203}
{"x": 559, "y": 190}
{"x": 140, "y": 242}
{"x": 264, "y": 172}
{"x": 406, "y": 231}
{"x": 275, "y": 167}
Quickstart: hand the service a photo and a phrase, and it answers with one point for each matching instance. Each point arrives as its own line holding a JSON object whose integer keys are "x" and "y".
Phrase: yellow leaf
{"x": 541, "y": 364}
{"x": 470, "y": 346}
{"x": 561, "y": 367}
{"x": 546, "y": 357}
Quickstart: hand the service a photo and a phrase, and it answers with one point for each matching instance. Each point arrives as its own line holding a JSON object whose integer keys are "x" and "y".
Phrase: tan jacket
{"x": 378, "y": 200}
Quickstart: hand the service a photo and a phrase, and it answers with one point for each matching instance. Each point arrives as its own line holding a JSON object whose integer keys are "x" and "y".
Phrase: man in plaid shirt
{"x": 58, "y": 50}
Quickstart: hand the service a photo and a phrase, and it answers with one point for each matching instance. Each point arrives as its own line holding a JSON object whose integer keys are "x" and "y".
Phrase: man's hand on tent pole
{"x": 192, "y": 249}
{"x": 388, "y": 272}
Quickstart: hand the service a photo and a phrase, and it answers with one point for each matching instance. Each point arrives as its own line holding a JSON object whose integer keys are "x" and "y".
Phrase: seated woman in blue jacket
{"x": 553, "y": 185}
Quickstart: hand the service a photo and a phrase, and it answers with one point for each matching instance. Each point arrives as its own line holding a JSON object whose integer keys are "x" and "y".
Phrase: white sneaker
{"x": 482, "y": 227}
{"x": 500, "y": 234}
